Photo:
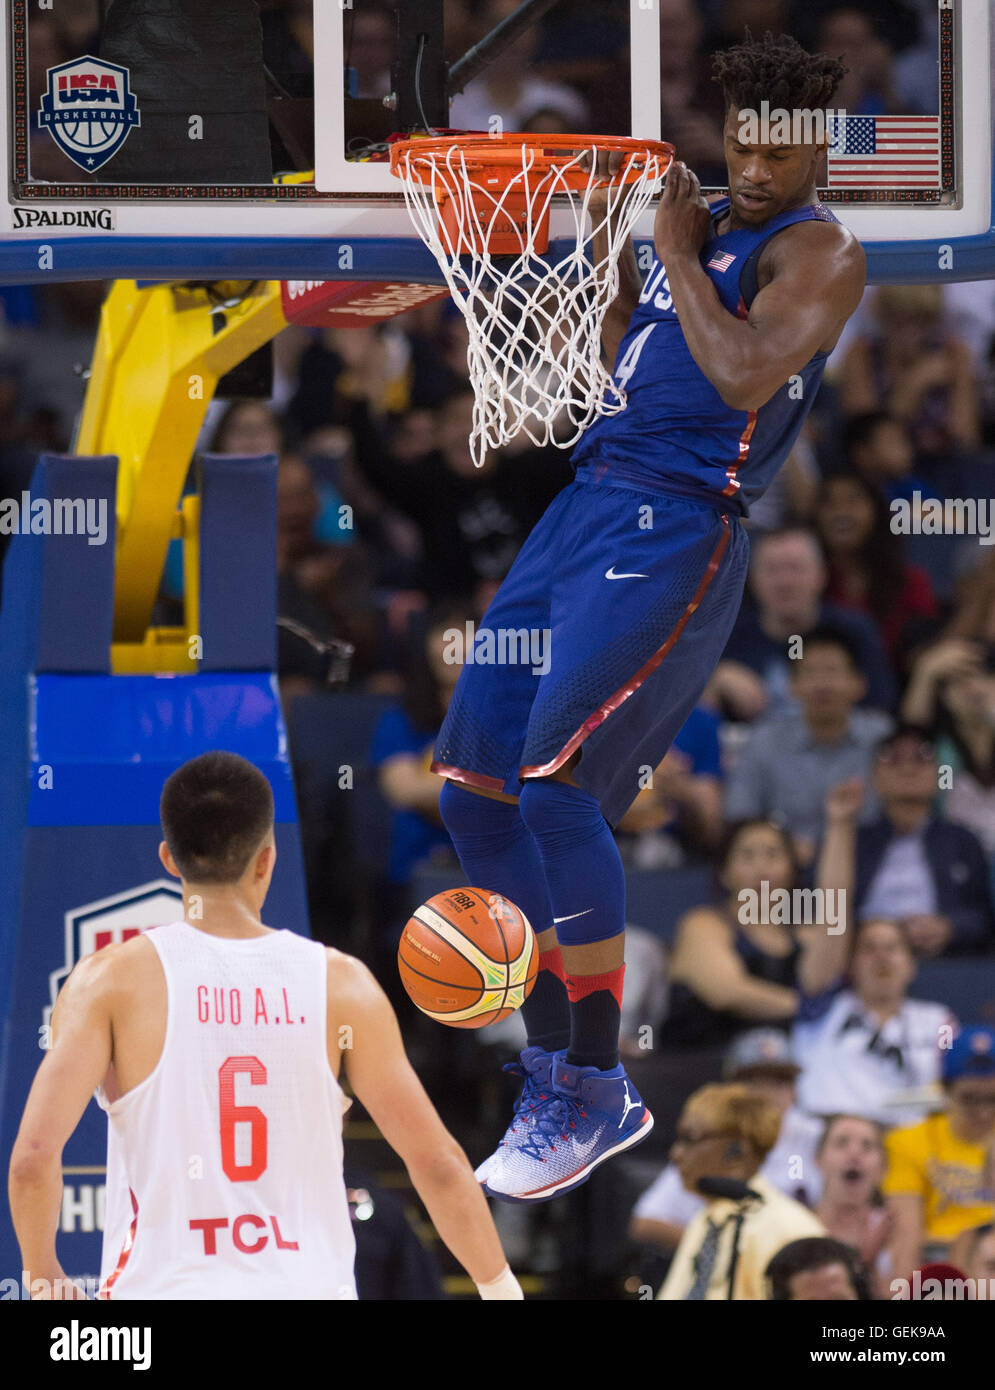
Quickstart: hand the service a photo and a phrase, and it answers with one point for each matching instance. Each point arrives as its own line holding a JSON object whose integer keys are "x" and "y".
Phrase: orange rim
{"x": 500, "y": 156}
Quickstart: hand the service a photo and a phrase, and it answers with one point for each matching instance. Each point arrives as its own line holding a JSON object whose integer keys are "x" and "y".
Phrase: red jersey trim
{"x": 743, "y": 453}
{"x": 632, "y": 685}
{"x": 126, "y": 1249}
{"x": 472, "y": 779}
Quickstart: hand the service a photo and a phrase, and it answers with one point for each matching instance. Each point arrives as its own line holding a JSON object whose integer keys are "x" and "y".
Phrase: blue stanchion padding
{"x": 238, "y": 563}
{"x": 59, "y": 582}
{"x": 56, "y": 615}
{"x": 111, "y": 741}
{"x": 77, "y": 608}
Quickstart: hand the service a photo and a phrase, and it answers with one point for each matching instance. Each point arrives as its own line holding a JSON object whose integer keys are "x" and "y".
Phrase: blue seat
{"x": 346, "y": 829}
{"x": 966, "y": 986}
{"x": 427, "y": 881}
{"x": 658, "y": 898}
{"x": 334, "y": 728}
{"x": 330, "y": 732}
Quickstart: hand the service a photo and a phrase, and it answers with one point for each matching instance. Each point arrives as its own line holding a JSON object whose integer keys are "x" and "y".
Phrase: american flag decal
{"x": 884, "y": 152}
{"x": 721, "y": 261}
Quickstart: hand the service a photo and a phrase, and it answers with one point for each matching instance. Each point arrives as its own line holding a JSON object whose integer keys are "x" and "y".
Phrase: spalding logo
{"x": 89, "y": 219}
{"x": 89, "y": 109}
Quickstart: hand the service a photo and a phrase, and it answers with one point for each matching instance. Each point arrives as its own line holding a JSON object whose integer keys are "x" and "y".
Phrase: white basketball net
{"x": 534, "y": 354}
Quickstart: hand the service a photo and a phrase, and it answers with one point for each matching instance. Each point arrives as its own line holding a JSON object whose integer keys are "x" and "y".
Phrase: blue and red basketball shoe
{"x": 534, "y": 1066}
{"x": 582, "y": 1119}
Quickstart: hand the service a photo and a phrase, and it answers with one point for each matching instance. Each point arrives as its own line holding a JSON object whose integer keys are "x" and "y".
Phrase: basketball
{"x": 468, "y": 958}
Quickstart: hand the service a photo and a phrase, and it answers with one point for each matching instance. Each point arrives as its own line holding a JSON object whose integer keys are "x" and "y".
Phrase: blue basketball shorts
{"x": 601, "y": 638}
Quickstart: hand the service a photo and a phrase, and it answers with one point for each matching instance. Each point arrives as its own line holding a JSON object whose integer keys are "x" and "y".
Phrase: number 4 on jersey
{"x": 633, "y": 352}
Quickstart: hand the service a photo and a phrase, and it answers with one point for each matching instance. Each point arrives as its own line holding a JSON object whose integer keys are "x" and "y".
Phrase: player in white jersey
{"x": 215, "y": 1045}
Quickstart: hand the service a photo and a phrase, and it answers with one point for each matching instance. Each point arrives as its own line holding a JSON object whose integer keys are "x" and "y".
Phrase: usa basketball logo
{"x": 92, "y": 926}
{"x": 90, "y": 110}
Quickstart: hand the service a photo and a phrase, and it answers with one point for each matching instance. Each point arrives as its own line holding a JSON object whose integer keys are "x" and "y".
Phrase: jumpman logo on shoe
{"x": 630, "y": 1104}
{"x": 610, "y": 574}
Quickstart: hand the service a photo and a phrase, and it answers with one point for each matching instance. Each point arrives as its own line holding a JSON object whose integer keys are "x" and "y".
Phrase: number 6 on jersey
{"x": 232, "y": 1115}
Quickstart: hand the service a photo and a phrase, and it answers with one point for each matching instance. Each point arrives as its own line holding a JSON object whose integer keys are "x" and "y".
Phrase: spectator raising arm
{"x": 824, "y": 951}
{"x": 936, "y": 665}
{"x": 737, "y": 689}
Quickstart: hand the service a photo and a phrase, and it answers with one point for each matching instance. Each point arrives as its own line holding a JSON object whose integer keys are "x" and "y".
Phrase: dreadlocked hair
{"x": 776, "y": 69}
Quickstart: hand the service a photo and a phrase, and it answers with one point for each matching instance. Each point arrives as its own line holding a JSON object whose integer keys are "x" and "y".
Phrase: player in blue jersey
{"x": 636, "y": 573}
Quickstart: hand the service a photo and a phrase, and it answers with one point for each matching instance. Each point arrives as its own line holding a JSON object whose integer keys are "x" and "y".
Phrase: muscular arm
{"x": 74, "y": 1066}
{"x": 384, "y": 1080}
{"x": 816, "y": 278}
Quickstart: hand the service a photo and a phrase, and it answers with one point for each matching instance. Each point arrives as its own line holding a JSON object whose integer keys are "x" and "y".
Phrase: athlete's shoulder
{"x": 819, "y": 240}
{"x": 356, "y": 1000}
{"x": 116, "y": 963}
{"x": 817, "y": 262}
{"x": 109, "y": 975}
{"x": 349, "y": 980}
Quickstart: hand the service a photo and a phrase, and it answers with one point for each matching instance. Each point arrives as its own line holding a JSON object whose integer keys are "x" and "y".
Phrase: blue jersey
{"x": 677, "y": 434}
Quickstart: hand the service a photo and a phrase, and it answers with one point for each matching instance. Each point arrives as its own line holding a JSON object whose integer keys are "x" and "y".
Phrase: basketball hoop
{"x": 482, "y": 206}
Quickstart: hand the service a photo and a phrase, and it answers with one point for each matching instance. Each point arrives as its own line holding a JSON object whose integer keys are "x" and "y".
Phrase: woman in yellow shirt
{"x": 941, "y": 1172}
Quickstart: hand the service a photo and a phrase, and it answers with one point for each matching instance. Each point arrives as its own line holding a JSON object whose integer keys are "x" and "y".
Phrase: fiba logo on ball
{"x": 89, "y": 109}
{"x": 468, "y": 958}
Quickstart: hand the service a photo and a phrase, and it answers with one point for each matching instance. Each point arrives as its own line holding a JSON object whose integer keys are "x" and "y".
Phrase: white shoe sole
{"x": 567, "y": 1184}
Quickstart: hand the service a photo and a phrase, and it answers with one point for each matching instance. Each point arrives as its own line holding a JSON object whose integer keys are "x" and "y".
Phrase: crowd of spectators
{"x": 845, "y": 745}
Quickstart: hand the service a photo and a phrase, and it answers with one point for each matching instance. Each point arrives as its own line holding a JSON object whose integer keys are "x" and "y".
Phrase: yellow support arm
{"x": 159, "y": 356}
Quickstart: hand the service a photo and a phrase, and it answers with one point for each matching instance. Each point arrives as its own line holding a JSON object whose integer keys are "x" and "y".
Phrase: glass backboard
{"x": 266, "y": 157}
